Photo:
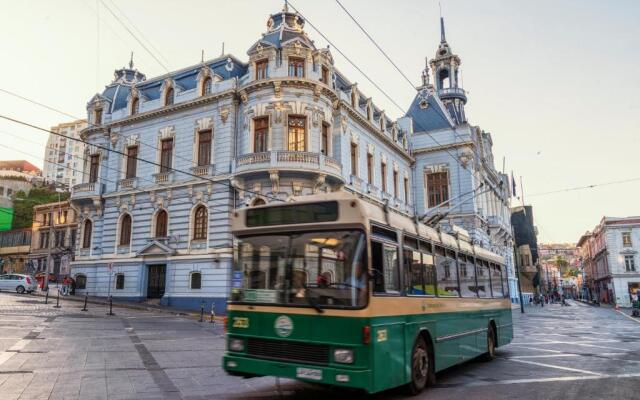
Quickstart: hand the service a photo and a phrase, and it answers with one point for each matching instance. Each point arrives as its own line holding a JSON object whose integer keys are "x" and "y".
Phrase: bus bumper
{"x": 238, "y": 365}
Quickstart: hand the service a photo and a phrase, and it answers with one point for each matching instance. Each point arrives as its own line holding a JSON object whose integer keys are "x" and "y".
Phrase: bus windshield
{"x": 307, "y": 269}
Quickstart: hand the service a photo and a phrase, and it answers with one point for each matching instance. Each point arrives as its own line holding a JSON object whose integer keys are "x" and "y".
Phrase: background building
{"x": 63, "y": 157}
{"x": 526, "y": 250}
{"x": 54, "y": 238}
{"x": 561, "y": 269}
{"x": 14, "y": 250}
{"x": 610, "y": 260}
{"x": 15, "y": 176}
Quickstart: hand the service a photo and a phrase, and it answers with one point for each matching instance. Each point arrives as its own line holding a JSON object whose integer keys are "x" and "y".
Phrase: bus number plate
{"x": 309, "y": 373}
{"x": 240, "y": 322}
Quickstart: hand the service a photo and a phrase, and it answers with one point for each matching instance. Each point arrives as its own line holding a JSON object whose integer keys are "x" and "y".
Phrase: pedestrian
{"x": 73, "y": 286}
{"x": 65, "y": 285}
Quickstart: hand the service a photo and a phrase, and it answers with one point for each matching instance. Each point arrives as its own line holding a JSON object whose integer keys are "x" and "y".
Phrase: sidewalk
{"x": 102, "y": 301}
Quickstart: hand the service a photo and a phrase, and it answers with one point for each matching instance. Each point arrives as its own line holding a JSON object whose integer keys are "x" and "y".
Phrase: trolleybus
{"x": 336, "y": 290}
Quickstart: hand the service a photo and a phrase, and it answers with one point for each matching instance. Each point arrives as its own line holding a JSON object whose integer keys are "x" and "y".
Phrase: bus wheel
{"x": 491, "y": 345}
{"x": 421, "y": 366}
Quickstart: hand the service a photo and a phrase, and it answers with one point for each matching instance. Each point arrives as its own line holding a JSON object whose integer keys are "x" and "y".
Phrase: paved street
{"x": 48, "y": 353}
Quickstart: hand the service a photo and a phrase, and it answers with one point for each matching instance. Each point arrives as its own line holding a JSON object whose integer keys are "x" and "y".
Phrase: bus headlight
{"x": 236, "y": 344}
{"x": 343, "y": 356}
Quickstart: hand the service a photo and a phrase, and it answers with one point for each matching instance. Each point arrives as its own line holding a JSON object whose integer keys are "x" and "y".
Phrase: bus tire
{"x": 421, "y": 366}
{"x": 491, "y": 344}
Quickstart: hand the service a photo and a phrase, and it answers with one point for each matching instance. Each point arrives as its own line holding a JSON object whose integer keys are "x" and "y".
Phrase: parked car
{"x": 18, "y": 283}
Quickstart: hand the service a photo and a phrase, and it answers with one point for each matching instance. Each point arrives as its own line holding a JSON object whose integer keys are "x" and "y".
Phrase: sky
{"x": 555, "y": 82}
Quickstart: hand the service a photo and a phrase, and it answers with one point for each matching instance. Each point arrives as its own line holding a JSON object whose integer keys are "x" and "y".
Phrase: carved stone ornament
{"x": 229, "y": 65}
{"x": 297, "y": 47}
{"x": 277, "y": 90}
{"x": 224, "y": 114}
{"x": 355, "y": 138}
{"x": 343, "y": 124}
{"x": 317, "y": 90}
{"x": 168, "y": 132}
{"x": 297, "y": 189}
{"x": 371, "y": 148}
{"x": 259, "y": 49}
{"x": 275, "y": 180}
{"x": 203, "y": 124}
{"x": 320, "y": 181}
{"x": 243, "y": 96}
{"x": 113, "y": 138}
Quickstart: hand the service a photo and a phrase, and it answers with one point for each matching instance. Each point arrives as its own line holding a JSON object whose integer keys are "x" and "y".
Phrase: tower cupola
{"x": 445, "y": 67}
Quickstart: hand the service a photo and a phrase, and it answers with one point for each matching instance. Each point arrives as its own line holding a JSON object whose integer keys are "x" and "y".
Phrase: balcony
{"x": 128, "y": 183}
{"x": 288, "y": 160}
{"x": 204, "y": 170}
{"x": 87, "y": 190}
{"x": 453, "y": 92}
{"x": 163, "y": 177}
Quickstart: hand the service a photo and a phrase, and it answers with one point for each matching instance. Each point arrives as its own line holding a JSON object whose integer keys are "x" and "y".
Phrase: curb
{"x": 117, "y": 304}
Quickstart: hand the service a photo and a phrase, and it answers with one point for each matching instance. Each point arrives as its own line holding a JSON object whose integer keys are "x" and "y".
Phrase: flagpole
{"x": 521, "y": 191}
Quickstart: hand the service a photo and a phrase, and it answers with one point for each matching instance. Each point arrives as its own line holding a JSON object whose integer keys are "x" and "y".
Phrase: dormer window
{"x": 324, "y": 75}
{"x": 135, "y": 105}
{"x": 97, "y": 117}
{"x": 206, "y": 86}
{"x": 261, "y": 69}
{"x": 168, "y": 97}
{"x": 296, "y": 67}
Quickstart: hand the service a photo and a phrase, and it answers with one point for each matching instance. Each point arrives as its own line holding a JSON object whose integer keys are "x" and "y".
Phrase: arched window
{"x": 161, "y": 223}
{"x": 135, "y": 105}
{"x": 81, "y": 281}
{"x": 200, "y": 223}
{"x": 443, "y": 79}
{"x": 206, "y": 86}
{"x": 125, "y": 230}
{"x": 196, "y": 280}
{"x": 168, "y": 97}
{"x": 86, "y": 234}
{"x": 258, "y": 202}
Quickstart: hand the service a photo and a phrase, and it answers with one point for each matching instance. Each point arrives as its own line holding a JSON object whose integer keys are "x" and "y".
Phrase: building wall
{"x": 63, "y": 161}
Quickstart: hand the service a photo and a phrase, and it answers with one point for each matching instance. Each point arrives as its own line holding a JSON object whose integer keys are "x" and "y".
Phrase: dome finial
{"x": 285, "y": 8}
{"x": 131, "y": 61}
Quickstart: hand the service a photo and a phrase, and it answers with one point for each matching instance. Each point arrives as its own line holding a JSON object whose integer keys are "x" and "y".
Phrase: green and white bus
{"x": 336, "y": 290}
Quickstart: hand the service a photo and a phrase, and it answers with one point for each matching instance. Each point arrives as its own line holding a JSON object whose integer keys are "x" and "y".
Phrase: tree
{"x": 23, "y": 204}
{"x": 561, "y": 263}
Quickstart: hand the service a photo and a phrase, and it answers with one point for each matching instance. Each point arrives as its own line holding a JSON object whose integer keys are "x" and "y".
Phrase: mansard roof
{"x": 433, "y": 116}
{"x": 117, "y": 92}
{"x": 284, "y": 27}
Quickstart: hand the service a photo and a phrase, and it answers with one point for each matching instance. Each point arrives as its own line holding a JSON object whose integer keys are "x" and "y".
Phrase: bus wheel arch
{"x": 422, "y": 344}
{"x": 492, "y": 341}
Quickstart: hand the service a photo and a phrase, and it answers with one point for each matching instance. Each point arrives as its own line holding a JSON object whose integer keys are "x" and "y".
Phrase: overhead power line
{"x": 134, "y": 36}
{"x": 585, "y": 187}
{"x": 221, "y": 182}
{"x": 353, "y": 64}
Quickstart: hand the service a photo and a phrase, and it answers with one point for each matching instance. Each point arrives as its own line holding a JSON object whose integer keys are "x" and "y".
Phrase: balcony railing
{"x": 128, "y": 183}
{"x": 88, "y": 189}
{"x": 204, "y": 170}
{"x": 163, "y": 177}
{"x": 288, "y": 159}
{"x": 454, "y": 91}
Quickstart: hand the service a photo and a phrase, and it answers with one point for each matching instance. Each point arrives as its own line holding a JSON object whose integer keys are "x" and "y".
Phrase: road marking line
{"x": 582, "y": 371}
{"x": 538, "y": 349}
{"x": 631, "y": 318}
{"x": 19, "y": 345}
{"x": 5, "y": 356}
{"x": 538, "y": 380}
{"x": 545, "y": 356}
{"x": 601, "y": 347}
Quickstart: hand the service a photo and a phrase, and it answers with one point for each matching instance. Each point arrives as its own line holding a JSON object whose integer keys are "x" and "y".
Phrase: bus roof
{"x": 363, "y": 213}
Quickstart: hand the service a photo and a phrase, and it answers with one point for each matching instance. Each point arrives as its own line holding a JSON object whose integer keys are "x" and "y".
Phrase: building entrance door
{"x": 155, "y": 283}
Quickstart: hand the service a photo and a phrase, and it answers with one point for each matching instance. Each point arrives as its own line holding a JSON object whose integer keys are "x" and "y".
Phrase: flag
{"x": 513, "y": 185}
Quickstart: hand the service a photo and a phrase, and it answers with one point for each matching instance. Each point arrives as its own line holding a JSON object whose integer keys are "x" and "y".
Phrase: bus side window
{"x": 505, "y": 282}
{"x": 385, "y": 268}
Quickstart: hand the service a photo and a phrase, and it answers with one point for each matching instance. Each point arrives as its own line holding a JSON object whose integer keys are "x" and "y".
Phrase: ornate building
{"x": 171, "y": 157}
{"x": 191, "y": 145}
{"x": 455, "y": 179}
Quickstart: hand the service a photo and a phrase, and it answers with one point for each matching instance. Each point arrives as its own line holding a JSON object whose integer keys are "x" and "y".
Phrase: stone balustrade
{"x": 285, "y": 158}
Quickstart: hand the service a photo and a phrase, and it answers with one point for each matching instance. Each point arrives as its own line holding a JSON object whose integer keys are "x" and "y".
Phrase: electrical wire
{"x": 585, "y": 187}
{"x": 221, "y": 182}
{"x": 134, "y": 36}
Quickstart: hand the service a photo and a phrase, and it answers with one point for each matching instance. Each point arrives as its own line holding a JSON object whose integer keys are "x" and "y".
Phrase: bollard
{"x": 213, "y": 313}
{"x": 85, "y": 302}
{"x": 110, "y": 306}
{"x": 202, "y": 312}
{"x": 57, "y": 300}
{"x": 46, "y": 297}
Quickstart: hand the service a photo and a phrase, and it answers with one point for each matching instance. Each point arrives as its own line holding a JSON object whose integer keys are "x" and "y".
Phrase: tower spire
{"x": 131, "y": 61}
{"x": 442, "y": 37}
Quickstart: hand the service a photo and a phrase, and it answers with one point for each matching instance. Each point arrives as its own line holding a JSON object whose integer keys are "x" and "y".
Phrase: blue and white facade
{"x": 284, "y": 123}
{"x": 446, "y": 146}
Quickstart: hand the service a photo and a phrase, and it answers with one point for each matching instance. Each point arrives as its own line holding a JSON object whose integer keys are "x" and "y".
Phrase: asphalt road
{"x": 576, "y": 352}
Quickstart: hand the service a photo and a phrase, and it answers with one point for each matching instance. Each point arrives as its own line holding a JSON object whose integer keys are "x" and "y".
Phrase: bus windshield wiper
{"x": 312, "y": 301}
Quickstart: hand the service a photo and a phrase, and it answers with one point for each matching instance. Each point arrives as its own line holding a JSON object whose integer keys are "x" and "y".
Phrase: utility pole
{"x": 518, "y": 278}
